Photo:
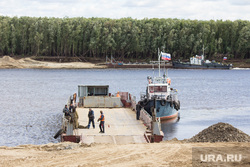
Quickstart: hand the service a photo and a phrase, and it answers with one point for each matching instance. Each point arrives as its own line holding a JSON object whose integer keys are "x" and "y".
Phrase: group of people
{"x": 71, "y": 114}
{"x": 92, "y": 120}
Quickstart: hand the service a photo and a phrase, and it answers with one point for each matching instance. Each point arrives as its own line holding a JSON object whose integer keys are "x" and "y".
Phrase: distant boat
{"x": 112, "y": 63}
{"x": 198, "y": 62}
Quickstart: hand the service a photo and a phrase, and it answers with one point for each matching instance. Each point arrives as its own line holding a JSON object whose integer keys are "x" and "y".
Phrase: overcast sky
{"x": 181, "y": 9}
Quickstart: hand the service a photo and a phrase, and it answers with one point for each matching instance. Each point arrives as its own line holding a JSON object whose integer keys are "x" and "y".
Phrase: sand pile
{"x": 220, "y": 132}
{"x": 8, "y": 62}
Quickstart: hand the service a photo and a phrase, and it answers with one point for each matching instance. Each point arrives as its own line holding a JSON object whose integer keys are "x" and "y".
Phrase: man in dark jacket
{"x": 66, "y": 111}
{"x": 91, "y": 118}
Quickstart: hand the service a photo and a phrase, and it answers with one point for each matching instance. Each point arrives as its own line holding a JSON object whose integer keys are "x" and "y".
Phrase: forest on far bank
{"x": 124, "y": 39}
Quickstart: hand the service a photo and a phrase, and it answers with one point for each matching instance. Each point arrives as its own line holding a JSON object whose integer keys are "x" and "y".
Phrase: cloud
{"x": 240, "y": 2}
{"x": 181, "y": 9}
{"x": 141, "y": 3}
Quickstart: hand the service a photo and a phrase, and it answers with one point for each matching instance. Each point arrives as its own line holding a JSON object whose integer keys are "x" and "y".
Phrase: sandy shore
{"x": 171, "y": 153}
{"x": 7, "y": 62}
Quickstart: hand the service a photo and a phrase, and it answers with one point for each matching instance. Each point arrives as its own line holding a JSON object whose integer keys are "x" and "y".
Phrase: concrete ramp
{"x": 121, "y": 126}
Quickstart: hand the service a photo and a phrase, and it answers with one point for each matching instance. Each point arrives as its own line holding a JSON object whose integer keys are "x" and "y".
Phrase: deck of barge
{"x": 121, "y": 126}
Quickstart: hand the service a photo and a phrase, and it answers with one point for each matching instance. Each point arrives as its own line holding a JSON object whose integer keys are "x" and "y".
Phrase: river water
{"x": 32, "y": 100}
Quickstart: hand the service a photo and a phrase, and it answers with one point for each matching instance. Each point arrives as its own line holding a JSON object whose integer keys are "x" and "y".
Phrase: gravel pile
{"x": 220, "y": 132}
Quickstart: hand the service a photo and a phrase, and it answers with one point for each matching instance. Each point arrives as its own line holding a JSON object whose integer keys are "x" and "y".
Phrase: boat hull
{"x": 164, "y": 110}
{"x": 204, "y": 66}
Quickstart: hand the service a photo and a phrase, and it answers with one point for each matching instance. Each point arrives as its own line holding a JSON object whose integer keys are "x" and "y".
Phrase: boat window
{"x": 153, "y": 89}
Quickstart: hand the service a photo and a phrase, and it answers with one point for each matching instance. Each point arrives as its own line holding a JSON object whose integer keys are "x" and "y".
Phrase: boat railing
{"x": 133, "y": 102}
{"x": 64, "y": 122}
{"x": 174, "y": 92}
{"x": 143, "y": 96}
{"x": 146, "y": 118}
{"x": 160, "y": 80}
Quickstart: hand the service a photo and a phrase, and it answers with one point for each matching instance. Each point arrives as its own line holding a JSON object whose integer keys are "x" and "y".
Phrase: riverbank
{"x": 219, "y": 139}
{"x": 7, "y": 62}
{"x": 171, "y": 153}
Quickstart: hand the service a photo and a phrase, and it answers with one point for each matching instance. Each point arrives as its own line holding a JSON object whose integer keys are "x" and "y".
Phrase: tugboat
{"x": 198, "y": 62}
{"x": 165, "y": 97}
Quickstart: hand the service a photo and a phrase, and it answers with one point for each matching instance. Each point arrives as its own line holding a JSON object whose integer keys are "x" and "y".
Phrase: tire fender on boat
{"x": 158, "y": 109}
{"x": 141, "y": 103}
{"x": 171, "y": 104}
{"x": 145, "y": 102}
{"x": 177, "y": 105}
{"x": 163, "y": 102}
{"x": 168, "y": 97}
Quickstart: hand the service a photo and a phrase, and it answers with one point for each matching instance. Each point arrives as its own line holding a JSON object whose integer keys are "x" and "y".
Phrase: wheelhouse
{"x": 160, "y": 91}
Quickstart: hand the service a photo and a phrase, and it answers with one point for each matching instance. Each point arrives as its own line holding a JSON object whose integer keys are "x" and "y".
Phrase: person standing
{"x": 74, "y": 116}
{"x": 66, "y": 110}
{"x": 138, "y": 110}
{"x": 101, "y": 125}
{"x": 118, "y": 94}
{"x": 91, "y": 118}
{"x": 74, "y": 100}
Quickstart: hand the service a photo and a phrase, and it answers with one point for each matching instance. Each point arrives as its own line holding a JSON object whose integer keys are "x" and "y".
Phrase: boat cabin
{"x": 97, "y": 96}
{"x": 93, "y": 90}
{"x": 158, "y": 87}
{"x": 160, "y": 91}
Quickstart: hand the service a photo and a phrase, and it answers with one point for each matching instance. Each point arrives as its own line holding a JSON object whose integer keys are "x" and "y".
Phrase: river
{"x": 32, "y": 99}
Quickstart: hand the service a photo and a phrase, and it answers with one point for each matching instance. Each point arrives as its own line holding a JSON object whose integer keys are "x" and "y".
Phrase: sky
{"x": 137, "y": 9}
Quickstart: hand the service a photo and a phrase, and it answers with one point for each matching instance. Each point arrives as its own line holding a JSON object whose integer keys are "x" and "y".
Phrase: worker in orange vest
{"x": 101, "y": 125}
{"x": 118, "y": 95}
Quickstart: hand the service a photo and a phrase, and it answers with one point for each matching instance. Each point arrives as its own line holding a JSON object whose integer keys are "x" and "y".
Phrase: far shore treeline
{"x": 125, "y": 38}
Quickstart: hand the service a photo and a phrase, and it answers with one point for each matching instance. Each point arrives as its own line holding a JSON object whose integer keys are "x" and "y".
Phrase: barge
{"x": 121, "y": 125}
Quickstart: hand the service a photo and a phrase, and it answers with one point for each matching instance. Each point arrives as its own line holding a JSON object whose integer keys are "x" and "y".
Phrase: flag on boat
{"x": 224, "y": 58}
{"x": 165, "y": 56}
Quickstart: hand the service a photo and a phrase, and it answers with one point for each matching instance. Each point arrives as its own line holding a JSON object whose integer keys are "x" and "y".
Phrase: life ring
{"x": 58, "y": 133}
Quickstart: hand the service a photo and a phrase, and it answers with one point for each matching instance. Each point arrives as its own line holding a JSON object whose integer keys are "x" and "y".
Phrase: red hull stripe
{"x": 169, "y": 117}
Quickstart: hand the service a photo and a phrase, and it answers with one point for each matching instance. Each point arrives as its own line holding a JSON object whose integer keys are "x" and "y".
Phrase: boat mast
{"x": 159, "y": 61}
{"x": 203, "y": 50}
